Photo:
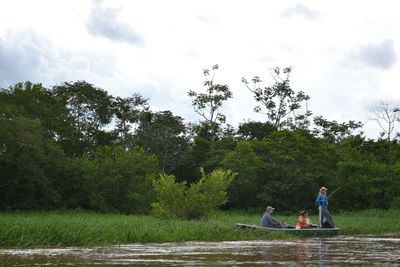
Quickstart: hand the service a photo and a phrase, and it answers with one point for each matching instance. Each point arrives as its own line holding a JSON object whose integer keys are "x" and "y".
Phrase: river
{"x": 338, "y": 251}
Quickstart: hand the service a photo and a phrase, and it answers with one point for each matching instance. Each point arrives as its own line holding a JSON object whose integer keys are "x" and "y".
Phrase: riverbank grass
{"x": 71, "y": 228}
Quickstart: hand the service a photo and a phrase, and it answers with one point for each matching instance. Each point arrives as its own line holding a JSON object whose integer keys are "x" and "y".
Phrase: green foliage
{"x": 35, "y": 102}
{"x": 369, "y": 221}
{"x": 199, "y": 200}
{"x": 333, "y": 131}
{"x": 127, "y": 112}
{"x": 366, "y": 183}
{"x": 72, "y": 228}
{"x": 296, "y": 164}
{"x": 30, "y": 165}
{"x": 117, "y": 180}
{"x": 162, "y": 134}
{"x": 280, "y": 100}
{"x": 395, "y": 203}
{"x": 78, "y": 228}
{"x": 208, "y": 105}
{"x": 89, "y": 109}
{"x": 254, "y": 130}
{"x": 58, "y": 149}
{"x": 250, "y": 168}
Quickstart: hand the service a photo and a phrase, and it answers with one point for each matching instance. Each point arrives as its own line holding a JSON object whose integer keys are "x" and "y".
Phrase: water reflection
{"x": 322, "y": 244}
{"x": 301, "y": 251}
{"x": 340, "y": 251}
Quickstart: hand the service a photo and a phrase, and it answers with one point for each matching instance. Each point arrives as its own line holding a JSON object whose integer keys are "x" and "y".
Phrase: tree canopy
{"x": 76, "y": 146}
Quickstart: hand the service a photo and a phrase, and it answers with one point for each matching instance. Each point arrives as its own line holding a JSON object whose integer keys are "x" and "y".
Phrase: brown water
{"x": 340, "y": 251}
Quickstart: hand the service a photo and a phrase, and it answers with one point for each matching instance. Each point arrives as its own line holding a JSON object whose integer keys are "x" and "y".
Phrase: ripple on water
{"x": 344, "y": 251}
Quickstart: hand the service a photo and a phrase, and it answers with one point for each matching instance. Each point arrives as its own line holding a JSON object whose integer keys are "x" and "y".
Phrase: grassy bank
{"x": 43, "y": 229}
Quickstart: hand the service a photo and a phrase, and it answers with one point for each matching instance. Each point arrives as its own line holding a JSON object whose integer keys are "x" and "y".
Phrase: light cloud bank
{"x": 104, "y": 22}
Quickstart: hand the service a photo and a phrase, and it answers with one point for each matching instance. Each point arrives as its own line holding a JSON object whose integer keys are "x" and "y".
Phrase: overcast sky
{"x": 344, "y": 54}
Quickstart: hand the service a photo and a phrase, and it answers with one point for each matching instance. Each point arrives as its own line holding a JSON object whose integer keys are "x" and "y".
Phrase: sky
{"x": 344, "y": 54}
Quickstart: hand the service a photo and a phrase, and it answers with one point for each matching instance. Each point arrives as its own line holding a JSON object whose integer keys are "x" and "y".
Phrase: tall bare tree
{"x": 386, "y": 115}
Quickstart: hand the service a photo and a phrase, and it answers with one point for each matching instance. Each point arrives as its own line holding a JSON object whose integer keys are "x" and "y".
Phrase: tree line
{"x": 76, "y": 146}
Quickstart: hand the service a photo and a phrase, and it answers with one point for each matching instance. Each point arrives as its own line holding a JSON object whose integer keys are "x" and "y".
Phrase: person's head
{"x": 304, "y": 213}
{"x": 270, "y": 209}
{"x": 323, "y": 190}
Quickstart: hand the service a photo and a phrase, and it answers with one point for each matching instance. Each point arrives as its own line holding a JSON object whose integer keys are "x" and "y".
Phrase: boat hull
{"x": 308, "y": 232}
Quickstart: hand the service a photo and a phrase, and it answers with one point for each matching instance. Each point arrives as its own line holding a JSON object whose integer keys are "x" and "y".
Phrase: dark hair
{"x": 303, "y": 212}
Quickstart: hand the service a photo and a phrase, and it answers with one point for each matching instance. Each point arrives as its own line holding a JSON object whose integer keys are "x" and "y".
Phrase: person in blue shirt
{"x": 267, "y": 220}
{"x": 325, "y": 218}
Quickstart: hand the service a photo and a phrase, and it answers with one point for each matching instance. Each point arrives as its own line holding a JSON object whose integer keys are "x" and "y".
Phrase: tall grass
{"x": 369, "y": 222}
{"x": 91, "y": 229}
{"x": 71, "y": 228}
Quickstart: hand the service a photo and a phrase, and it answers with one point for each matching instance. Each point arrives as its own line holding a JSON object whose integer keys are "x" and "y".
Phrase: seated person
{"x": 267, "y": 220}
{"x": 304, "y": 221}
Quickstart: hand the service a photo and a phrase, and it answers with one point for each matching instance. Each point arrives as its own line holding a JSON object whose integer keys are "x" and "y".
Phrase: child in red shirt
{"x": 303, "y": 221}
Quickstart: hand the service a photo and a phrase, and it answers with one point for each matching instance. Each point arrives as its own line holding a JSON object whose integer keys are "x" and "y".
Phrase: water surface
{"x": 339, "y": 251}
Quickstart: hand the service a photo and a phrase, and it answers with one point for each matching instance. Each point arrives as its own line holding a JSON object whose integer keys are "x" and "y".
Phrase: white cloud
{"x": 104, "y": 22}
{"x": 208, "y": 19}
{"x": 381, "y": 55}
{"x": 301, "y": 10}
{"x": 26, "y": 55}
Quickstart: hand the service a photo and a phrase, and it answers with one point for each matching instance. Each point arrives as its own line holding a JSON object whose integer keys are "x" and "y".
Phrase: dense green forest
{"x": 75, "y": 146}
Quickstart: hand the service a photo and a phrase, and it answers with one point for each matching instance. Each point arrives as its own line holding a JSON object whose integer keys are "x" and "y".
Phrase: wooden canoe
{"x": 308, "y": 232}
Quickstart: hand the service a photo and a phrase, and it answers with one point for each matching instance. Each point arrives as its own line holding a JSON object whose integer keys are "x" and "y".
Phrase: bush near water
{"x": 199, "y": 200}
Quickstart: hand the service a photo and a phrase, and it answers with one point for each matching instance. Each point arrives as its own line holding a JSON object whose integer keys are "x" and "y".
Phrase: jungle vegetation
{"x": 75, "y": 146}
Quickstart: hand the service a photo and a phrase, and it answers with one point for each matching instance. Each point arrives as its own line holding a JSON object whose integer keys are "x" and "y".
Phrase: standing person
{"x": 267, "y": 220}
{"x": 325, "y": 218}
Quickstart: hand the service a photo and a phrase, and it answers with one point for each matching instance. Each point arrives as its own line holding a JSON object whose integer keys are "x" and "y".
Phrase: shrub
{"x": 118, "y": 180}
{"x": 199, "y": 200}
{"x": 395, "y": 203}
